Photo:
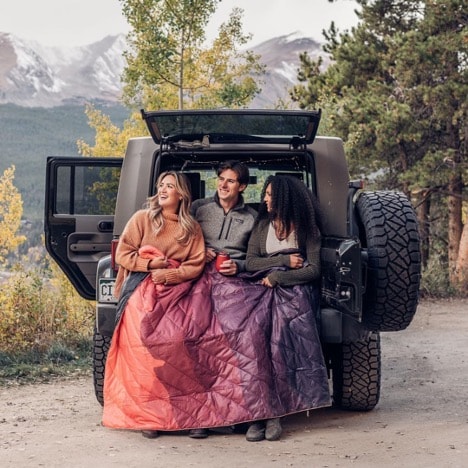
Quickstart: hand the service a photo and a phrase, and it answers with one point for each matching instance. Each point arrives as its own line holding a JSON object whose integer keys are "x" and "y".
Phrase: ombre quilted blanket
{"x": 213, "y": 352}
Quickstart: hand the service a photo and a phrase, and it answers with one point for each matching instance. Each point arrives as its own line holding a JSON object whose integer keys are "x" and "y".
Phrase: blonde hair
{"x": 186, "y": 221}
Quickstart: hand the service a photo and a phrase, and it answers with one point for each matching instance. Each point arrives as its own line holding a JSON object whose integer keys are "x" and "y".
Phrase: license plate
{"x": 106, "y": 290}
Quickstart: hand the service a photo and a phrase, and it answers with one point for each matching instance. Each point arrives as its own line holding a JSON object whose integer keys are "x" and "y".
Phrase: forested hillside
{"x": 29, "y": 135}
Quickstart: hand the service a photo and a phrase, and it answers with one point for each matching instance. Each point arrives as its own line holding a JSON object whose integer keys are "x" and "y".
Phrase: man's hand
{"x": 228, "y": 268}
{"x": 210, "y": 254}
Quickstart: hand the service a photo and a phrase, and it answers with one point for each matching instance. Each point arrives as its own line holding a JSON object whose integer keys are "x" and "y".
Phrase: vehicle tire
{"x": 101, "y": 345}
{"x": 389, "y": 233}
{"x": 356, "y": 373}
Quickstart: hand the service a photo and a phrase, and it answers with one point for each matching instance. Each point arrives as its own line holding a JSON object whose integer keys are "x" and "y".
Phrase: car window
{"x": 87, "y": 190}
{"x": 208, "y": 183}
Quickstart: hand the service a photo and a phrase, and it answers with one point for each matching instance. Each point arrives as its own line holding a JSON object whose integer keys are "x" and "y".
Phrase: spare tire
{"x": 389, "y": 234}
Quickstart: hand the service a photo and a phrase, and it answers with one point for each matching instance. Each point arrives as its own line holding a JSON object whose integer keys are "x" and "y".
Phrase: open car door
{"x": 79, "y": 215}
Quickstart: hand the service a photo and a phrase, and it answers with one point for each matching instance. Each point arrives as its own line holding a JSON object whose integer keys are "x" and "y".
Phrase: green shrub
{"x": 59, "y": 353}
{"x": 38, "y": 315}
{"x": 435, "y": 280}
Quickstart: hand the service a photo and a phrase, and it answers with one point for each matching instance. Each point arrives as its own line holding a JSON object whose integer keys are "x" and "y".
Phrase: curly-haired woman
{"x": 285, "y": 244}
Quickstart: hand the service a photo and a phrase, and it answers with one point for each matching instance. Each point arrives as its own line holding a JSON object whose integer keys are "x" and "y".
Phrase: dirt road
{"x": 421, "y": 420}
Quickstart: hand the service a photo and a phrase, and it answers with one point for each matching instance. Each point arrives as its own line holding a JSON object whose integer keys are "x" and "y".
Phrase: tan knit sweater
{"x": 139, "y": 231}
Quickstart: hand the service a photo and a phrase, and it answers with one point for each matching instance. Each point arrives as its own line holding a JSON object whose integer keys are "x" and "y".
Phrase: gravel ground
{"x": 421, "y": 420}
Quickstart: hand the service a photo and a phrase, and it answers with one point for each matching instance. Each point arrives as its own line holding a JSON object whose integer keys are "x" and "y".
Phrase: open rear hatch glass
{"x": 232, "y": 126}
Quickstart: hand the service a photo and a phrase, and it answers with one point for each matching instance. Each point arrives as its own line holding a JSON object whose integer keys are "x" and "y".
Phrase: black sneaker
{"x": 198, "y": 433}
{"x": 273, "y": 429}
{"x": 150, "y": 434}
{"x": 255, "y": 432}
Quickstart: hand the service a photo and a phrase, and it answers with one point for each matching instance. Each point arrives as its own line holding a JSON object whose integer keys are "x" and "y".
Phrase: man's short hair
{"x": 239, "y": 168}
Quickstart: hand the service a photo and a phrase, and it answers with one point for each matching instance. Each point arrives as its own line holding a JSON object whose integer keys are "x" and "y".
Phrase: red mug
{"x": 220, "y": 258}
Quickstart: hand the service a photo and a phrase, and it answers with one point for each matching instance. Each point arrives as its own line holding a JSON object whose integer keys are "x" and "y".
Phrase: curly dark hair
{"x": 293, "y": 205}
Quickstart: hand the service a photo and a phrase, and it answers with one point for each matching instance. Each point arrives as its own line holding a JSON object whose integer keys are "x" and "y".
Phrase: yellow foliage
{"x": 170, "y": 65}
{"x": 11, "y": 210}
{"x": 110, "y": 140}
{"x": 36, "y": 313}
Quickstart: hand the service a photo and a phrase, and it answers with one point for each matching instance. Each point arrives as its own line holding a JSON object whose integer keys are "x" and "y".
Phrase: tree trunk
{"x": 181, "y": 86}
{"x": 455, "y": 226}
{"x": 423, "y": 203}
{"x": 181, "y": 72}
{"x": 462, "y": 262}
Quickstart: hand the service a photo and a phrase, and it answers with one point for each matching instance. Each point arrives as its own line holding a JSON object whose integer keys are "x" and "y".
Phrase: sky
{"x": 81, "y": 22}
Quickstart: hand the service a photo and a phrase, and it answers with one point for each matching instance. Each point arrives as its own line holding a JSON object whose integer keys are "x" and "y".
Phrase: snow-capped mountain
{"x": 281, "y": 57}
{"x": 32, "y": 75}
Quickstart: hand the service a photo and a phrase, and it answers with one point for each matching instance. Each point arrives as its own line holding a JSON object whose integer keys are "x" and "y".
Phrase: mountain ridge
{"x": 33, "y": 75}
{"x": 39, "y": 76}
{"x": 43, "y": 91}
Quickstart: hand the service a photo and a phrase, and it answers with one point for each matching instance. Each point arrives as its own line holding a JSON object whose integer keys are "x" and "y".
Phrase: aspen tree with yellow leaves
{"x": 171, "y": 66}
{"x": 40, "y": 318}
{"x": 11, "y": 210}
{"x": 110, "y": 140}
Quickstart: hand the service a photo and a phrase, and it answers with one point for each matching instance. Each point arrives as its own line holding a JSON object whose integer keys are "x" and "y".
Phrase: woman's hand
{"x": 158, "y": 276}
{"x": 266, "y": 282}
{"x": 158, "y": 262}
{"x": 296, "y": 261}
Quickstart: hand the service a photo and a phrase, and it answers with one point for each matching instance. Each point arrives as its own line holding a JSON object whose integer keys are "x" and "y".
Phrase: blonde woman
{"x": 167, "y": 225}
{"x": 160, "y": 250}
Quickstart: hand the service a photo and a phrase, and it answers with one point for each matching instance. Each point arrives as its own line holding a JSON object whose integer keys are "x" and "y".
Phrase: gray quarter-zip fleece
{"x": 228, "y": 232}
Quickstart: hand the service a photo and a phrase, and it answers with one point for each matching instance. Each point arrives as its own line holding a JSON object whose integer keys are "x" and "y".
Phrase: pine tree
{"x": 396, "y": 93}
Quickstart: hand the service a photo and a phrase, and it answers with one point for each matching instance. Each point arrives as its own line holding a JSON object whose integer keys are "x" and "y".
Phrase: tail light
{"x": 114, "y": 244}
{"x": 356, "y": 184}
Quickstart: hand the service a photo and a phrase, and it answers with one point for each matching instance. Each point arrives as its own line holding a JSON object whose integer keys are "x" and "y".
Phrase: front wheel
{"x": 356, "y": 373}
{"x": 101, "y": 345}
